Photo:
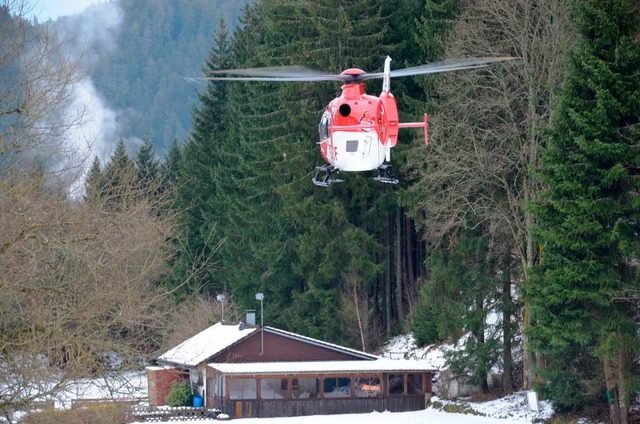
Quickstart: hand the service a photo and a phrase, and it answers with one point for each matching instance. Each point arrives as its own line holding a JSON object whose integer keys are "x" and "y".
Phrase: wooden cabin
{"x": 250, "y": 371}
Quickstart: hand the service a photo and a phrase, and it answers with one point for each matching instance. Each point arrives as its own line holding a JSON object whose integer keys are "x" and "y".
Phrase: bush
{"x": 180, "y": 394}
{"x": 99, "y": 413}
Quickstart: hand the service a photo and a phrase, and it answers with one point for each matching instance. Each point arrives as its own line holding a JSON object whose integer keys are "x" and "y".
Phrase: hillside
{"x": 139, "y": 72}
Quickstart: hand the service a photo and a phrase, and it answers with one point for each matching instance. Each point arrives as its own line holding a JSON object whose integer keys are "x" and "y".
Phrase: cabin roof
{"x": 313, "y": 367}
{"x": 221, "y": 336}
{"x": 206, "y": 343}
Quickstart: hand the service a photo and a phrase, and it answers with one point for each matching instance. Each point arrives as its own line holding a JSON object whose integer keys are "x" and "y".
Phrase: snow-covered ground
{"x": 509, "y": 410}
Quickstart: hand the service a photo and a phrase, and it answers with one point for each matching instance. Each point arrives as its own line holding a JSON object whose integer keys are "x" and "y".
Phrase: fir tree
{"x": 199, "y": 161}
{"x": 170, "y": 168}
{"x": 94, "y": 183}
{"x": 589, "y": 219}
{"x": 146, "y": 166}
{"x": 119, "y": 177}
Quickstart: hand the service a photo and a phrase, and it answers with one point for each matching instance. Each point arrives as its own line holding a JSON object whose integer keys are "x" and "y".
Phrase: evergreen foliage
{"x": 180, "y": 394}
{"x": 247, "y": 168}
{"x": 94, "y": 183}
{"x": 589, "y": 217}
{"x": 158, "y": 44}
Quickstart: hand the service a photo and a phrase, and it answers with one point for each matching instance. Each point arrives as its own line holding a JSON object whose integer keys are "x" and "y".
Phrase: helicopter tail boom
{"x": 424, "y": 124}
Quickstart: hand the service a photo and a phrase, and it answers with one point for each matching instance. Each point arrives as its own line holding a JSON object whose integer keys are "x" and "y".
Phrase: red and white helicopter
{"x": 357, "y": 130}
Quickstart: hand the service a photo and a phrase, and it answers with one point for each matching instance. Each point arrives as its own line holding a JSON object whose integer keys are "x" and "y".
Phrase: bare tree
{"x": 79, "y": 288}
{"x": 36, "y": 91}
{"x": 486, "y": 135}
{"x": 78, "y": 279}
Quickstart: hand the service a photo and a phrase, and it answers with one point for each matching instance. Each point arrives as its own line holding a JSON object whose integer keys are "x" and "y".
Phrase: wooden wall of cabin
{"x": 278, "y": 348}
{"x": 398, "y": 399}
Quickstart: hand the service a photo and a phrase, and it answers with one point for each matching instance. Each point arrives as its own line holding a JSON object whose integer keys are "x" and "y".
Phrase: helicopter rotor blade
{"x": 288, "y": 73}
{"x": 444, "y": 66}
{"x": 280, "y": 73}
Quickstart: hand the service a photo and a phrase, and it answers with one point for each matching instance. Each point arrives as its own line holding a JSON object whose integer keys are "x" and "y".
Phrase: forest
{"x": 513, "y": 233}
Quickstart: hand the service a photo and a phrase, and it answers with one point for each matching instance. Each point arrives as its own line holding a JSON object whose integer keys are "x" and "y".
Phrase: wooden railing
{"x": 184, "y": 413}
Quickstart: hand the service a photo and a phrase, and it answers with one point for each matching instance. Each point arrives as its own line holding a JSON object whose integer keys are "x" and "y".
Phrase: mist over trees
{"x": 154, "y": 47}
{"x": 514, "y": 233}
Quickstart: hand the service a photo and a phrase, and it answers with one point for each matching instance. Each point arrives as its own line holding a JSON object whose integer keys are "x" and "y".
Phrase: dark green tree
{"x": 199, "y": 161}
{"x": 170, "y": 168}
{"x": 94, "y": 183}
{"x": 146, "y": 166}
{"x": 457, "y": 298}
{"x": 119, "y": 177}
{"x": 589, "y": 217}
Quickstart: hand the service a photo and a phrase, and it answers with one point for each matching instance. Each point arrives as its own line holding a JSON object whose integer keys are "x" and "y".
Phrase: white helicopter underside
{"x": 357, "y": 151}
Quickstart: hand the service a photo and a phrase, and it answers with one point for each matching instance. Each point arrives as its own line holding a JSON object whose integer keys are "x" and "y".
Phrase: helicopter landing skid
{"x": 328, "y": 176}
{"x": 384, "y": 175}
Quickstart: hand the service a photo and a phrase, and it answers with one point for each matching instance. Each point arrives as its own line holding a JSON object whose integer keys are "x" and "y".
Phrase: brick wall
{"x": 159, "y": 380}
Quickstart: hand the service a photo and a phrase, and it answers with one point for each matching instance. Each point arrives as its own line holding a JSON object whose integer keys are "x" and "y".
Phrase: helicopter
{"x": 357, "y": 130}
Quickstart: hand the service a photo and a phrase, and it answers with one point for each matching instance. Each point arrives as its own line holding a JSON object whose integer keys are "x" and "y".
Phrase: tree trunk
{"x": 411, "y": 287}
{"x": 484, "y": 385}
{"x": 624, "y": 365}
{"x": 387, "y": 275}
{"x": 507, "y": 308}
{"x": 612, "y": 392}
{"x": 356, "y": 303}
{"x": 397, "y": 247}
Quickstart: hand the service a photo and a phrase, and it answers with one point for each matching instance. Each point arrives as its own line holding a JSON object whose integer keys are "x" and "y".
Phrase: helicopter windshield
{"x": 323, "y": 127}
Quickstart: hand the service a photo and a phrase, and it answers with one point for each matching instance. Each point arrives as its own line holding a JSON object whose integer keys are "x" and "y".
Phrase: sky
{"x": 52, "y": 9}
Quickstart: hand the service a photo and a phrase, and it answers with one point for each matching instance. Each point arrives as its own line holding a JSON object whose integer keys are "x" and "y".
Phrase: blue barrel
{"x": 197, "y": 401}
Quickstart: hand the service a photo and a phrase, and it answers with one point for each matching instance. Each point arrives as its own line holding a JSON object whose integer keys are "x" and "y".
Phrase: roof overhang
{"x": 322, "y": 367}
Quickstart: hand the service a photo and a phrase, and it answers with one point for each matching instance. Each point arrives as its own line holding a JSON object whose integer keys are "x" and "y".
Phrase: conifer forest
{"x": 515, "y": 231}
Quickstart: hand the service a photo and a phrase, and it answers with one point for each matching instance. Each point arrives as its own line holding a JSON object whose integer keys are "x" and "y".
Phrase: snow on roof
{"x": 205, "y": 344}
{"x": 361, "y": 354}
{"x": 379, "y": 365}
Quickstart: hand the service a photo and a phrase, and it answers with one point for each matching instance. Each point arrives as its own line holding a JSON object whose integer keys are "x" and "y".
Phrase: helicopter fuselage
{"x": 358, "y": 130}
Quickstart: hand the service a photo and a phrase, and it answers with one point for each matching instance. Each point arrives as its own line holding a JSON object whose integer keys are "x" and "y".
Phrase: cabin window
{"x": 305, "y": 388}
{"x": 396, "y": 384}
{"x": 414, "y": 384}
{"x": 274, "y": 388}
{"x": 215, "y": 386}
{"x": 367, "y": 387}
{"x": 337, "y": 387}
{"x": 323, "y": 128}
{"x": 352, "y": 146}
{"x": 242, "y": 388}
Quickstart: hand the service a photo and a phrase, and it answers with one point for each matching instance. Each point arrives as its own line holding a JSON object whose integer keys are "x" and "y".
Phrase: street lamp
{"x": 260, "y": 297}
{"x": 220, "y": 298}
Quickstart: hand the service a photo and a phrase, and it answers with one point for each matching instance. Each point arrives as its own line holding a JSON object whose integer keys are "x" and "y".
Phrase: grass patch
{"x": 456, "y": 408}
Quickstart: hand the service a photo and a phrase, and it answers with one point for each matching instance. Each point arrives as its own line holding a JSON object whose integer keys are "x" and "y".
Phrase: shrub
{"x": 99, "y": 413}
{"x": 180, "y": 394}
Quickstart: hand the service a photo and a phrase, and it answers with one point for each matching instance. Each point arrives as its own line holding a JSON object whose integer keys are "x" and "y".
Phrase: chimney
{"x": 251, "y": 317}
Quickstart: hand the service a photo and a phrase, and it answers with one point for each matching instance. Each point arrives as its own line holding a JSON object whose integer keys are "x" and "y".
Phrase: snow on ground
{"x": 404, "y": 347}
{"x": 430, "y": 415}
{"x": 132, "y": 385}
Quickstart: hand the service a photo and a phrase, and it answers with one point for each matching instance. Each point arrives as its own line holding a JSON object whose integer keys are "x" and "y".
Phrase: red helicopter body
{"x": 357, "y": 130}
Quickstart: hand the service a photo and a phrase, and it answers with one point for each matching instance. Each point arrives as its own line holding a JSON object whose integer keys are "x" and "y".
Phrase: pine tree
{"x": 589, "y": 217}
{"x": 146, "y": 165}
{"x": 199, "y": 161}
{"x": 94, "y": 183}
{"x": 119, "y": 177}
{"x": 170, "y": 168}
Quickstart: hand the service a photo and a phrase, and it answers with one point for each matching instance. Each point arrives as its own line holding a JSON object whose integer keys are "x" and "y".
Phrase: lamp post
{"x": 220, "y": 298}
{"x": 260, "y": 297}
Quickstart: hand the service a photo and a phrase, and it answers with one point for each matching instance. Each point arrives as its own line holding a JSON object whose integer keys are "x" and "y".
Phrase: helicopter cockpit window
{"x": 352, "y": 146}
{"x": 323, "y": 128}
